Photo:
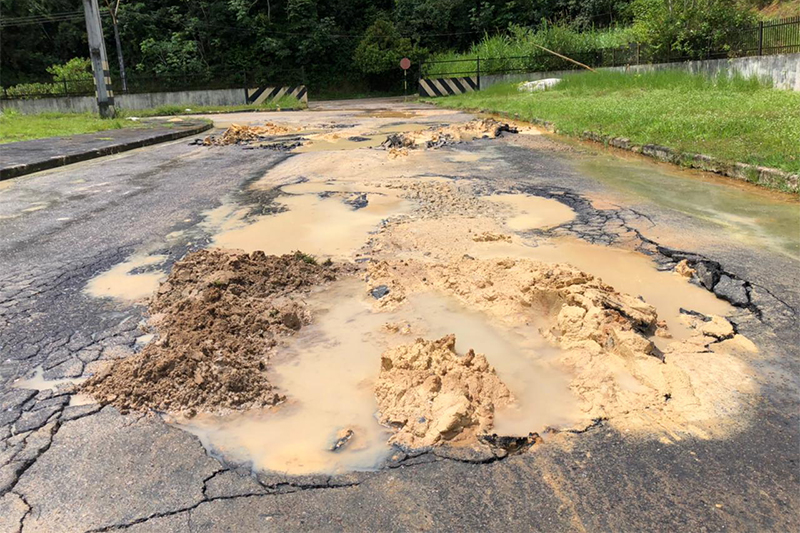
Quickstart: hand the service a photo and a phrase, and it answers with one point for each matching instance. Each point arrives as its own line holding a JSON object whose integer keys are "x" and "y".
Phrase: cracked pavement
{"x": 85, "y": 468}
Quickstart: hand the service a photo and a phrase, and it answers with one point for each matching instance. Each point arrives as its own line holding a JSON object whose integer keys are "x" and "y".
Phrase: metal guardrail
{"x": 781, "y": 36}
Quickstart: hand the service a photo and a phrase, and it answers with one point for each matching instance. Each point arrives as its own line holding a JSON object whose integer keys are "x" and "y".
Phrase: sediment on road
{"x": 217, "y": 316}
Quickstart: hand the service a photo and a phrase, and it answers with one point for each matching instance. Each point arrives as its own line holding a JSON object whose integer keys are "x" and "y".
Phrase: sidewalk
{"x": 26, "y": 157}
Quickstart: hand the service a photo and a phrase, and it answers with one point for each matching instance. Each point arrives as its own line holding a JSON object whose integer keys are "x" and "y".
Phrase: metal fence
{"x": 780, "y": 36}
{"x": 137, "y": 84}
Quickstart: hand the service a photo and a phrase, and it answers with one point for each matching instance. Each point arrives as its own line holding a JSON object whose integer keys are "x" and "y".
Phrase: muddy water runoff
{"x": 746, "y": 213}
{"x": 329, "y": 371}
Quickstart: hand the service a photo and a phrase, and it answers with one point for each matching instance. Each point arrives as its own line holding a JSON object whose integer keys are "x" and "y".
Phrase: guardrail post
{"x": 760, "y": 37}
{"x": 478, "y": 71}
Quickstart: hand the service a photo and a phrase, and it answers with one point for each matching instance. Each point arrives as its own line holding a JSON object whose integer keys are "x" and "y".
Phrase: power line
{"x": 68, "y": 16}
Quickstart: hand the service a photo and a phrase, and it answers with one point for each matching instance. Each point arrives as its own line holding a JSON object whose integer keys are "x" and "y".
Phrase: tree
{"x": 380, "y": 50}
{"x": 113, "y": 11}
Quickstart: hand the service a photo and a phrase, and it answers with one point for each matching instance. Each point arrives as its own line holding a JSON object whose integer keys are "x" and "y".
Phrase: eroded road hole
{"x": 371, "y": 308}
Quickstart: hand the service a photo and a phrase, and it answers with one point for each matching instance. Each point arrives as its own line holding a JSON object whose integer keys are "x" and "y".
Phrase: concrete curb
{"x": 771, "y": 178}
{"x": 59, "y": 161}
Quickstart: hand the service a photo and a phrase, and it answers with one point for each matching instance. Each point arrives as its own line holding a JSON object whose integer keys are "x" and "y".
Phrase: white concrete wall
{"x": 783, "y": 70}
{"x": 83, "y": 104}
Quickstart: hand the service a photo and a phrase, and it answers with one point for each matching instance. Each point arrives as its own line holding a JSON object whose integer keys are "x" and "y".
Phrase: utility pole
{"x": 97, "y": 52}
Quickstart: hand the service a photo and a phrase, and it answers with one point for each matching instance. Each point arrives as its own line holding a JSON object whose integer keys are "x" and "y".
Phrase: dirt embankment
{"x": 218, "y": 315}
{"x": 431, "y": 396}
{"x": 441, "y": 136}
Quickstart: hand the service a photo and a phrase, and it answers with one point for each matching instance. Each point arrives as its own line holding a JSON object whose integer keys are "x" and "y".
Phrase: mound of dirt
{"x": 217, "y": 315}
{"x": 442, "y": 136}
{"x": 431, "y": 396}
{"x": 606, "y": 337}
{"x": 238, "y": 134}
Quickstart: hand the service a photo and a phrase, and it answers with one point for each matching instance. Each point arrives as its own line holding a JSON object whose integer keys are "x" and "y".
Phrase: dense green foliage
{"x": 339, "y": 45}
{"x": 353, "y": 44}
{"x": 73, "y": 76}
{"x": 734, "y": 119}
{"x": 518, "y": 49}
{"x": 661, "y": 29}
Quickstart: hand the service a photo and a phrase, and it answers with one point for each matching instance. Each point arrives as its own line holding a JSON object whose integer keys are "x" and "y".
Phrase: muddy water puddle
{"x": 533, "y": 212}
{"x": 630, "y": 272}
{"x": 747, "y": 213}
{"x": 124, "y": 283}
{"x": 329, "y": 371}
{"x": 38, "y": 382}
{"x": 311, "y": 222}
{"x": 324, "y": 142}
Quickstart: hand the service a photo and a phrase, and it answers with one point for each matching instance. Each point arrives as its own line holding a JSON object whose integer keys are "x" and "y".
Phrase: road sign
{"x": 405, "y": 63}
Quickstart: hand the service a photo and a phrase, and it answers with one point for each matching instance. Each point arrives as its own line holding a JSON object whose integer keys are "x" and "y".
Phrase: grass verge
{"x": 731, "y": 119}
{"x": 17, "y": 127}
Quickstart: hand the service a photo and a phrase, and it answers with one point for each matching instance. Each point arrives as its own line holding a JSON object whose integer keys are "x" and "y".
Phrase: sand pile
{"x": 441, "y": 136}
{"x": 238, "y": 134}
{"x": 606, "y": 337}
{"x": 431, "y": 396}
{"x": 217, "y": 315}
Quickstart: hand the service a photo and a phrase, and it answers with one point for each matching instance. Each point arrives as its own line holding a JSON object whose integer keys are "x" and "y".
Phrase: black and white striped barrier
{"x": 272, "y": 94}
{"x": 447, "y": 86}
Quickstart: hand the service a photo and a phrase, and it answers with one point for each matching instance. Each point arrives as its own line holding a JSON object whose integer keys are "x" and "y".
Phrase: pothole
{"x": 503, "y": 331}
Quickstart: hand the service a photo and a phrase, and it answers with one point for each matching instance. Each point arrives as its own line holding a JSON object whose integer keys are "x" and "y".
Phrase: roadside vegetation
{"x": 15, "y": 126}
{"x": 733, "y": 119}
{"x": 18, "y": 127}
{"x": 343, "y": 47}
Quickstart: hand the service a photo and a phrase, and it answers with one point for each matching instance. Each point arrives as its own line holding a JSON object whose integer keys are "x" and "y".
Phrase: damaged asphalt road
{"x": 70, "y": 466}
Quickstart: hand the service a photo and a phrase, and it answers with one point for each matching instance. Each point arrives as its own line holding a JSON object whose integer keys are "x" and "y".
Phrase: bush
{"x": 689, "y": 29}
{"x": 518, "y": 50}
{"x": 382, "y": 48}
{"x": 73, "y": 77}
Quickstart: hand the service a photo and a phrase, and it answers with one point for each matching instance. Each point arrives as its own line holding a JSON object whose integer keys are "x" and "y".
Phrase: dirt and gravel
{"x": 217, "y": 317}
{"x": 243, "y": 134}
{"x": 436, "y": 137}
{"x": 430, "y": 395}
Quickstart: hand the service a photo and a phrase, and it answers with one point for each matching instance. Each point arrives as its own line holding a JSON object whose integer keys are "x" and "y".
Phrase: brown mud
{"x": 429, "y": 395}
{"x": 242, "y": 134}
{"x": 218, "y": 315}
{"x": 444, "y": 135}
{"x": 474, "y": 311}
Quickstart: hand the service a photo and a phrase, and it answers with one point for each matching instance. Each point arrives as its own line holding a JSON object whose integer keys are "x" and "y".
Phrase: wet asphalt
{"x": 79, "y": 468}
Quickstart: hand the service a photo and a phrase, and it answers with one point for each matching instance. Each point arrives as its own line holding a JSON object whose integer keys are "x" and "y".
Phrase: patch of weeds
{"x": 217, "y": 283}
{"x": 751, "y": 175}
{"x": 306, "y": 258}
{"x": 328, "y": 262}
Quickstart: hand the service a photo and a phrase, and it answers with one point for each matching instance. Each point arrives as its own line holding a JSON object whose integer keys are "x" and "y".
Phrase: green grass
{"x": 17, "y": 127}
{"x": 285, "y": 103}
{"x": 732, "y": 119}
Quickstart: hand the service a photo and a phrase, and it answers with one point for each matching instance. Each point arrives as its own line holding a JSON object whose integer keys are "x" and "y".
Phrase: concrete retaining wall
{"x": 83, "y": 104}
{"x": 783, "y": 70}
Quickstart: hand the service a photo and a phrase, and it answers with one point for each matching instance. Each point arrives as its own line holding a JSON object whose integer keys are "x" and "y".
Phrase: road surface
{"x": 67, "y": 465}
